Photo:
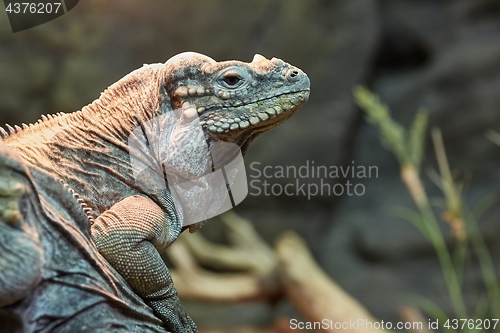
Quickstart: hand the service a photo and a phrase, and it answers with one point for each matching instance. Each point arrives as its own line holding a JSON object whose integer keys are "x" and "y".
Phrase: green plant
{"x": 408, "y": 147}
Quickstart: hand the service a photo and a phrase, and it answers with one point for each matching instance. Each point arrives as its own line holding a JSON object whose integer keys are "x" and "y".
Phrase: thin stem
{"x": 486, "y": 264}
{"x": 411, "y": 179}
{"x": 449, "y": 272}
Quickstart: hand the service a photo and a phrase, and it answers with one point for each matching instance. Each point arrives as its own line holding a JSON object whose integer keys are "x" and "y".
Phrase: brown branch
{"x": 248, "y": 251}
{"x": 290, "y": 268}
{"x": 312, "y": 292}
{"x": 259, "y": 281}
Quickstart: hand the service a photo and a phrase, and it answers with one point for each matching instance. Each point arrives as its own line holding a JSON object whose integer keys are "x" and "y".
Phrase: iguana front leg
{"x": 129, "y": 235}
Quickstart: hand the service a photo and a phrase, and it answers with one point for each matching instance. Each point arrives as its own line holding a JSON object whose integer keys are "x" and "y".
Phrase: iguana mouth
{"x": 256, "y": 114}
{"x": 214, "y": 108}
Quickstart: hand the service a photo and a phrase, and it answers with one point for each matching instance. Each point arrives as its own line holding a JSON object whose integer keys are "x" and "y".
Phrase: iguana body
{"x": 88, "y": 150}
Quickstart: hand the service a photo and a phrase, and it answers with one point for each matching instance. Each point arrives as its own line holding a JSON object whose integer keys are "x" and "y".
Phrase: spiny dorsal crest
{"x": 43, "y": 121}
{"x": 86, "y": 209}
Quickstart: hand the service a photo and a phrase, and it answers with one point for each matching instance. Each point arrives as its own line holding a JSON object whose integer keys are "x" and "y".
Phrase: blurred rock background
{"x": 442, "y": 55}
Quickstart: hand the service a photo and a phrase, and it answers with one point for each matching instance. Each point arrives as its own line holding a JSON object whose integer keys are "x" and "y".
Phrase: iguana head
{"x": 235, "y": 101}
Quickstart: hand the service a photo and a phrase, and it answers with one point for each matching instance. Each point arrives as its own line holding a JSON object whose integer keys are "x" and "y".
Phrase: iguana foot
{"x": 173, "y": 315}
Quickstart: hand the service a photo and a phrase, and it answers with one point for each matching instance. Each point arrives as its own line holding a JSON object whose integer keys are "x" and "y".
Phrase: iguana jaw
{"x": 238, "y": 124}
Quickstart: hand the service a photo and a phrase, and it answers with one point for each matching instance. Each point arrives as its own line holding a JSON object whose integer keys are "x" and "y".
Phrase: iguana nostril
{"x": 292, "y": 75}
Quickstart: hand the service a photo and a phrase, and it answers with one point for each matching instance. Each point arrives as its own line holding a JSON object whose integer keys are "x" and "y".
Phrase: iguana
{"x": 88, "y": 152}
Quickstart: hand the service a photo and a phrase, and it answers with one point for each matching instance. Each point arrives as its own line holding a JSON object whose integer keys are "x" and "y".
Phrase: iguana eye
{"x": 232, "y": 80}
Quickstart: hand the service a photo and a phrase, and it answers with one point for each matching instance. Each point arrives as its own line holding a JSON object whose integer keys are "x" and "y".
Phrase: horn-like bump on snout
{"x": 257, "y": 57}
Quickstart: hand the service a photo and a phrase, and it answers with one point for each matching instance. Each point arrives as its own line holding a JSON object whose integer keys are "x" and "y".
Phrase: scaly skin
{"x": 88, "y": 151}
